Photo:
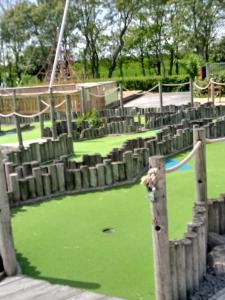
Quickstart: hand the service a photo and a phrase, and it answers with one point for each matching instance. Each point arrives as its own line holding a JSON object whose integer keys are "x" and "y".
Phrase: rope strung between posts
{"x": 103, "y": 95}
{"x": 217, "y": 83}
{"x": 143, "y": 93}
{"x": 24, "y": 116}
{"x": 175, "y": 84}
{"x": 212, "y": 141}
{"x": 60, "y": 104}
{"x": 185, "y": 160}
{"x": 150, "y": 180}
{"x": 32, "y": 116}
{"x": 201, "y": 88}
{"x": 7, "y": 115}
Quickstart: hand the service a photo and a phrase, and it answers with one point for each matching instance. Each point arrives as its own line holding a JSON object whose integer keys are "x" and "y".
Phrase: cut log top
{"x": 25, "y": 288}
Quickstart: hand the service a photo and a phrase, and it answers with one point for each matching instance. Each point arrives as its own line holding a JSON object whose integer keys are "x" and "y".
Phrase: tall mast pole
{"x": 59, "y": 44}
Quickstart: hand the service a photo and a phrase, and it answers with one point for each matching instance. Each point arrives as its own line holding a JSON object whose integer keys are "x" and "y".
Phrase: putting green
{"x": 105, "y": 144}
{"x": 27, "y": 135}
{"x": 100, "y": 145}
{"x": 62, "y": 240}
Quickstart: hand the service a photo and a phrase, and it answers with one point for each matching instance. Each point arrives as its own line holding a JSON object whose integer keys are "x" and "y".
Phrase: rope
{"x": 212, "y": 141}
{"x": 143, "y": 93}
{"x": 32, "y": 116}
{"x": 201, "y": 88}
{"x": 60, "y": 104}
{"x": 103, "y": 95}
{"x": 175, "y": 84}
{"x": 45, "y": 103}
{"x": 151, "y": 179}
{"x": 185, "y": 160}
{"x": 7, "y": 115}
{"x": 218, "y": 83}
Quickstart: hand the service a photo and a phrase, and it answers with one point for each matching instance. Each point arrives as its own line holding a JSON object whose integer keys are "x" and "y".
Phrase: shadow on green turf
{"x": 33, "y": 271}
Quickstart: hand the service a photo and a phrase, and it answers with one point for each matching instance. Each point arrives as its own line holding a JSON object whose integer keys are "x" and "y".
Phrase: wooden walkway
{"x": 24, "y": 288}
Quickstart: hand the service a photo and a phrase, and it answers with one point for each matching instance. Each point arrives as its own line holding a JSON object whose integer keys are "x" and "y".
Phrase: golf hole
{"x": 108, "y": 230}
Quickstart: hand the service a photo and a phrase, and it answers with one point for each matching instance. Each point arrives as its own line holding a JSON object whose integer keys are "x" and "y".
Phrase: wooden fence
{"x": 181, "y": 265}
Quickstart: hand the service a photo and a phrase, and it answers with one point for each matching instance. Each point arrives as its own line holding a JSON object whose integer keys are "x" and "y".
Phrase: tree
{"x": 202, "y": 18}
{"x": 120, "y": 15}
{"x": 15, "y": 25}
{"x": 90, "y": 26}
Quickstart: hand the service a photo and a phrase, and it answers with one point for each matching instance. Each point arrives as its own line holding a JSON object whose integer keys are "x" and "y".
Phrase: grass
{"x": 27, "y": 135}
{"x": 105, "y": 144}
{"x": 100, "y": 145}
{"x": 65, "y": 243}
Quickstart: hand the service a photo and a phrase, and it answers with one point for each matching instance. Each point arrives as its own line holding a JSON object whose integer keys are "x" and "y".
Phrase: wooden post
{"x": 82, "y": 100}
{"x": 41, "y": 119}
{"x": 200, "y": 166}
{"x": 17, "y": 122}
{"x": 160, "y": 95}
{"x": 6, "y": 240}
{"x": 68, "y": 115}
{"x": 160, "y": 234}
{"x": 212, "y": 91}
{"x": 191, "y": 92}
{"x": 121, "y": 95}
{"x": 52, "y": 115}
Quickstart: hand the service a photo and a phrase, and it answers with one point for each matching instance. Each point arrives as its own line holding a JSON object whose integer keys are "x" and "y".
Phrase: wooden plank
{"x": 17, "y": 287}
{"x": 6, "y": 240}
{"x": 25, "y": 288}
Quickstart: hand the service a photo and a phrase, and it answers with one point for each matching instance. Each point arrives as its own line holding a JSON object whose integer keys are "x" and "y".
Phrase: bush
{"x": 93, "y": 119}
{"x": 146, "y": 83}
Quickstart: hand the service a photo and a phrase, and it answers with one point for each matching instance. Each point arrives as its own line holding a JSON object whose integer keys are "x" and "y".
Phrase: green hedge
{"x": 146, "y": 83}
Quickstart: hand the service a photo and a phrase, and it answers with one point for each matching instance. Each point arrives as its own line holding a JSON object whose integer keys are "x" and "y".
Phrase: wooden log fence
{"x": 179, "y": 265}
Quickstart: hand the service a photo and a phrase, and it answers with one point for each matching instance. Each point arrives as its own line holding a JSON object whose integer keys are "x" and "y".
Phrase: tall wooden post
{"x": 17, "y": 122}
{"x": 41, "y": 117}
{"x": 68, "y": 115}
{"x": 191, "y": 92}
{"x": 6, "y": 240}
{"x": 52, "y": 115}
{"x": 82, "y": 100}
{"x": 200, "y": 166}
{"x": 121, "y": 95}
{"x": 160, "y": 95}
{"x": 160, "y": 233}
{"x": 212, "y": 86}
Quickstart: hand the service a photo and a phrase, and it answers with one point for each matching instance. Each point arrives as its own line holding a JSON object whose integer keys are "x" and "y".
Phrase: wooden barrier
{"x": 181, "y": 265}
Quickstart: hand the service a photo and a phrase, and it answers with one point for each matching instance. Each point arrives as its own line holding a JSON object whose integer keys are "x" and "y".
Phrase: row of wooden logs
{"x": 153, "y": 121}
{"x": 119, "y": 166}
{"x": 119, "y": 127}
{"x": 188, "y": 256}
{"x": 42, "y": 152}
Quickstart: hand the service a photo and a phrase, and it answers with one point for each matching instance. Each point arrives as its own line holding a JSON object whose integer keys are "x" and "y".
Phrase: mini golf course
{"x": 67, "y": 240}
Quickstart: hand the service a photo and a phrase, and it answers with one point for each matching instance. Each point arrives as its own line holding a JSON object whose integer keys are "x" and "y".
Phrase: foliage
{"x": 93, "y": 119}
{"x": 192, "y": 64}
{"x": 162, "y": 36}
{"x": 146, "y": 83}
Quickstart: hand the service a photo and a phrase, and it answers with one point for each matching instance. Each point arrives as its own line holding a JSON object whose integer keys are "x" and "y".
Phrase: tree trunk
{"x": 177, "y": 68}
{"x": 158, "y": 65}
{"x": 117, "y": 52}
{"x": 121, "y": 66}
{"x": 163, "y": 66}
{"x": 142, "y": 62}
{"x": 171, "y": 62}
{"x": 84, "y": 67}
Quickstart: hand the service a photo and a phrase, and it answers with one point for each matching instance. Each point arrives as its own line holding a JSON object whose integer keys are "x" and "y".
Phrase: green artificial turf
{"x": 62, "y": 240}
{"x": 27, "y": 135}
{"x": 105, "y": 144}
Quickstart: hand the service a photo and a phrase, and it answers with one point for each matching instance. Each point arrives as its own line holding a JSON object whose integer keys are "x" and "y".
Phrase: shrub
{"x": 146, "y": 83}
